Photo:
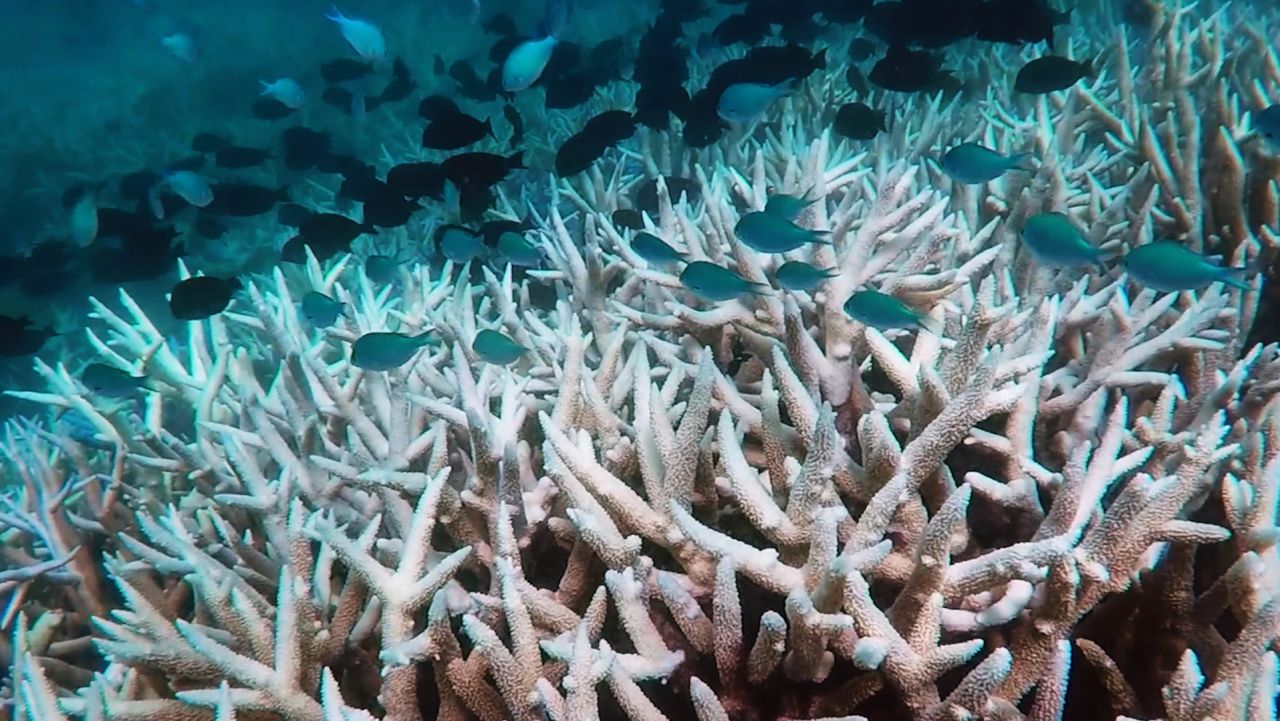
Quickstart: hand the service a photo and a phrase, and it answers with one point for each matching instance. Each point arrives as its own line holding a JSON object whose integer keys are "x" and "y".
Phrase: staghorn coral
{"x": 1064, "y": 507}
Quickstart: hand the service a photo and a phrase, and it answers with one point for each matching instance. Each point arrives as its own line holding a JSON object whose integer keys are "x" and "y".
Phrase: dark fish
{"x": 1050, "y": 73}
{"x": 568, "y": 91}
{"x": 209, "y": 142}
{"x": 612, "y": 126}
{"x": 348, "y": 166}
{"x": 654, "y": 249}
{"x": 385, "y": 351}
{"x": 138, "y": 249}
{"x": 332, "y": 227}
{"x": 746, "y": 28}
{"x": 607, "y": 61}
{"x": 112, "y": 382}
{"x": 717, "y": 283}
{"x": 270, "y": 109}
{"x": 455, "y": 131}
{"x": 438, "y": 66}
{"x": 1018, "y": 21}
{"x": 909, "y": 71}
{"x": 304, "y": 147}
{"x": 859, "y": 121}
{"x": 647, "y": 195}
{"x": 400, "y": 86}
{"x": 365, "y": 188}
{"x": 202, "y": 296}
{"x": 417, "y": 180}
{"x": 885, "y": 312}
{"x": 344, "y": 70}
{"x": 494, "y": 347}
{"x": 577, "y": 154}
{"x": 500, "y": 24}
{"x": 923, "y": 23}
{"x": 236, "y": 157}
{"x": 437, "y": 107}
{"x": 244, "y": 200}
{"x": 516, "y": 122}
{"x": 861, "y": 48}
{"x": 470, "y": 84}
{"x": 627, "y": 218}
{"x": 381, "y": 269}
{"x": 19, "y": 338}
{"x": 389, "y": 211}
{"x": 48, "y": 269}
{"x": 292, "y": 214}
{"x": 459, "y": 243}
{"x": 209, "y": 227}
{"x": 321, "y": 310}
{"x": 481, "y": 169}
{"x": 136, "y": 185}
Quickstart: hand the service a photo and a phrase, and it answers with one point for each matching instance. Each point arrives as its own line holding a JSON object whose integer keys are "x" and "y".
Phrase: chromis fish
{"x": 654, "y": 249}
{"x": 788, "y": 206}
{"x": 526, "y": 61}
{"x": 363, "y": 36}
{"x": 494, "y": 347}
{"x": 321, "y": 310}
{"x": 742, "y": 103}
{"x": 799, "y": 275}
{"x": 1053, "y": 240}
{"x": 516, "y": 249}
{"x": 201, "y": 296}
{"x": 1266, "y": 123}
{"x": 186, "y": 184}
{"x": 75, "y": 425}
{"x": 459, "y": 243}
{"x": 386, "y": 351}
{"x": 769, "y": 233}
{"x": 1050, "y": 73}
{"x": 716, "y": 283}
{"x": 1168, "y": 266}
{"x": 112, "y": 382}
{"x": 380, "y": 269}
{"x": 884, "y": 312}
{"x": 286, "y": 90}
{"x": 975, "y": 164}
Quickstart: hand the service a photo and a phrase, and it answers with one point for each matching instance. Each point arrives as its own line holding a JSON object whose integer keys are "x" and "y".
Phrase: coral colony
{"x": 948, "y": 468}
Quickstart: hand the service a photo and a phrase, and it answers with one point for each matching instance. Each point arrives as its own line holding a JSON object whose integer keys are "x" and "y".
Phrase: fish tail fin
{"x": 556, "y": 18}
{"x": 1239, "y": 277}
{"x": 1023, "y": 161}
{"x": 516, "y": 161}
{"x": 788, "y": 86}
{"x": 335, "y": 14}
{"x": 821, "y": 237}
{"x": 488, "y": 127}
{"x": 930, "y": 324}
{"x": 829, "y": 272}
{"x": 266, "y": 87}
{"x": 820, "y": 59}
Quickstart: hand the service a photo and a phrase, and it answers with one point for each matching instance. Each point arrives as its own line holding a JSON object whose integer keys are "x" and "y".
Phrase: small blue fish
{"x": 460, "y": 244}
{"x": 787, "y": 206}
{"x": 385, "y": 351}
{"x": 799, "y": 275}
{"x": 1167, "y": 266}
{"x": 516, "y": 249}
{"x": 321, "y": 310}
{"x": 716, "y": 283}
{"x": 975, "y": 164}
{"x": 494, "y": 347}
{"x": 884, "y": 312}
{"x": 381, "y": 269}
{"x": 1053, "y": 240}
{"x": 111, "y": 382}
{"x": 742, "y": 103}
{"x": 526, "y": 61}
{"x": 1267, "y": 123}
{"x": 654, "y": 250}
{"x": 769, "y": 233}
{"x": 75, "y": 425}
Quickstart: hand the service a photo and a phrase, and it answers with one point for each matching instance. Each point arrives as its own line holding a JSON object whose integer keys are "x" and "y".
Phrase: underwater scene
{"x": 661, "y": 360}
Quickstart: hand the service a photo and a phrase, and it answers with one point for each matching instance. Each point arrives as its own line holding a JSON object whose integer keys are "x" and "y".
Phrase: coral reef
{"x": 1062, "y": 507}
